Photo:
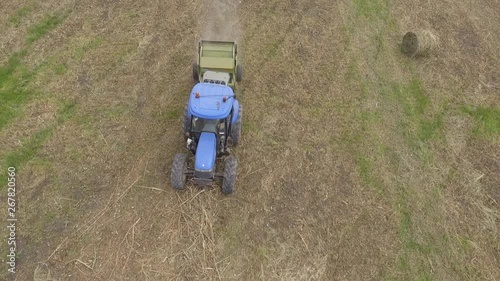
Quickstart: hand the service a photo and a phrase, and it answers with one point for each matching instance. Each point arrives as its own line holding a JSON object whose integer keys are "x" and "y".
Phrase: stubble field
{"x": 356, "y": 162}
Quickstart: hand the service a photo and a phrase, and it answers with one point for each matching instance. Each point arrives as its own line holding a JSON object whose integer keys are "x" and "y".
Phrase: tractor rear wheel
{"x": 179, "y": 169}
{"x": 186, "y": 125}
{"x": 239, "y": 73}
{"x": 229, "y": 180}
{"x": 195, "y": 72}
{"x": 236, "y": 128}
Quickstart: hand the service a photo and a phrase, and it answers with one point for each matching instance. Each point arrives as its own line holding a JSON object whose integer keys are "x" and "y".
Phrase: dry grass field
{"x": 356, "y": 162}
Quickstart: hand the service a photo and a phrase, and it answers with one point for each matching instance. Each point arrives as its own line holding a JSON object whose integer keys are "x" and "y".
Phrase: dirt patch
{"x": 488, "y": 168}
{"x": 469, "y": 39}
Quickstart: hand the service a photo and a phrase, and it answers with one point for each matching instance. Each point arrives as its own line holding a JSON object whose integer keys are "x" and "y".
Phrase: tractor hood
{"x": 211, "y": 101}
{"x": 205, "y": 152}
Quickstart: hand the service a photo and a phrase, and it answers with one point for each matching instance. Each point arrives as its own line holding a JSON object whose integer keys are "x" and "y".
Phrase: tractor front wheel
{"x": 179, "y": 169}
{"x": 229, "y": 179}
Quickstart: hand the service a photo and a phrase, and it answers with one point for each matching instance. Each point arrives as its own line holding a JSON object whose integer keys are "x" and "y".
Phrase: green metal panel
{"x": 217, "y": 62}
{"x": 219, "y": 49}
{"x": 216, "y": 53}
{"x": 217, "y": 46}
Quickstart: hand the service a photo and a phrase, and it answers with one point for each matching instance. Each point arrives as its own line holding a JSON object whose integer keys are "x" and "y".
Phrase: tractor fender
{"x": 236, "y": 111}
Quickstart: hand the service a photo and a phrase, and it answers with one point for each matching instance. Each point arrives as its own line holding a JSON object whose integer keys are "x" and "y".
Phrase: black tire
{"x": 179, "y": 169}
{"x": 239, "y": 73}
{"x": 186, "y": 123}
{"x": 236, "y": 128}
{"x": 229, "y": 180}
{"x": 195, "y": 72}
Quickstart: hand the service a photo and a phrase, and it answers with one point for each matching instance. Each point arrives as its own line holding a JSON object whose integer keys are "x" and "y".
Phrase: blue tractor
{"x": 212, "y": 123}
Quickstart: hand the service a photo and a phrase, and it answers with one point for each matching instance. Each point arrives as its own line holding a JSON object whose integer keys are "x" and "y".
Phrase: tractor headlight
{"x": 188, "y": 143}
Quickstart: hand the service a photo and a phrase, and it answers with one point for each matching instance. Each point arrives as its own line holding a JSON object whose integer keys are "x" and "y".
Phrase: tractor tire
{"x": 196, "y": 77}
{"x": 236, "y": 128}
{"x": 239, "y": 73}
{"x": 229, "y": 180}
{"x": 179, "y": 169}
{"x": 186, "y": 123}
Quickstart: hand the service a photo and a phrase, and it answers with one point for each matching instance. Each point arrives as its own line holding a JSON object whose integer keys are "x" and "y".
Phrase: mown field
{"x": 356, "y": 162}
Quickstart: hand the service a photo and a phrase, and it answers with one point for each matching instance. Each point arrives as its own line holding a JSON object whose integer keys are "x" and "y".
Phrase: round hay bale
{"x": 419, "y": 43}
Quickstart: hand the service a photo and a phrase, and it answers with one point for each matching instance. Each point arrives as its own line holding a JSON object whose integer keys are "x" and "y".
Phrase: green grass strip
{"x": 40, "y": 29}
